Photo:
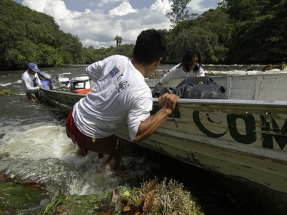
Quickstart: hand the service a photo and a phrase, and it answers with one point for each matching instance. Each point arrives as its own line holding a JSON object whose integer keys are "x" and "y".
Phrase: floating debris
{"x": 152, "y": 198}
{"x": 4, "y": 155}
{"x": 17, "y": 198}
{"x": 7, "y": 93}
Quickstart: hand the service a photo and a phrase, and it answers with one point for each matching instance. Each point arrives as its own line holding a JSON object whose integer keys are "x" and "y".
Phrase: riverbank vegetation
{"x": 153, "y": 198}
{"x": 4, "y": 92}
{"x": 241, "y": 32}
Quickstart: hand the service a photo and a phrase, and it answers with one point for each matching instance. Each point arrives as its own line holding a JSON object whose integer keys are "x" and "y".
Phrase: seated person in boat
{"x": 120, "y": 97}
{"x": 190, "y": 66}
{"x": 31, "y": 82}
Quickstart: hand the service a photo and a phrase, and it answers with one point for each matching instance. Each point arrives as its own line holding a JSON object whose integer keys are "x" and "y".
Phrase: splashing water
{"x": 45, "y": 154}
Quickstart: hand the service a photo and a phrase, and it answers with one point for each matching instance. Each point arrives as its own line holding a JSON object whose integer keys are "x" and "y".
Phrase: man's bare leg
{"x": 108, "y": 145}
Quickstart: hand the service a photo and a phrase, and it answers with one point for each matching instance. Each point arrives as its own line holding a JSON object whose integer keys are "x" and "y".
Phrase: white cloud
{"x": 161, "y": 6}
{"x": 123, "y": 9}
{"x": 99, "y": 27}
{"x": 54, "y": 8}
{"x": 195, "y": 6}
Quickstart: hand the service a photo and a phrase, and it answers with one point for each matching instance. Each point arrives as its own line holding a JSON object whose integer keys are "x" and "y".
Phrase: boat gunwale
{"x": 221, "y": 102}
{"x": 232, "y": 102}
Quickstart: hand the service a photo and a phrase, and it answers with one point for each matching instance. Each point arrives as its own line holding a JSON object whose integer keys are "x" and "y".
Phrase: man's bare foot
{"x": 33, "y": 101}
{"x": 114, "y": 161}
{"x": 108, "y": 160}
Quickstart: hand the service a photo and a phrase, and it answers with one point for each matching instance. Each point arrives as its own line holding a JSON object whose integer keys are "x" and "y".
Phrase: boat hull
{"x": 244, "y": 141}
{"x": 243, "y": 136}
{"x": 61, "y": 99}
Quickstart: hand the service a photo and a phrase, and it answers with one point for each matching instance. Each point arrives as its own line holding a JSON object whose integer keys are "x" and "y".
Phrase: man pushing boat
{"x": 120, "y": 96}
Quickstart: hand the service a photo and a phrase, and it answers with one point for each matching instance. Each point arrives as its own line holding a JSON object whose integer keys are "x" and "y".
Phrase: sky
{"x": 98, "y": 22}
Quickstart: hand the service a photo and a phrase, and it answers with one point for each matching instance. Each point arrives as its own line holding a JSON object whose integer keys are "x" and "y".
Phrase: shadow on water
{"x": 216, "y": 194}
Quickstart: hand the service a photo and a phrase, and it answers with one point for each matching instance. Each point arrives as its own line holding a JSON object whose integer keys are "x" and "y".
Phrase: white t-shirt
{"x": 30, "y": 82}
{"x": 177, "y": 72}
{"x": 120, "y": 96}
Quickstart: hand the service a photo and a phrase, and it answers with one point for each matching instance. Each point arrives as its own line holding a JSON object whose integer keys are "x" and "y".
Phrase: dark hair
{"x": 150, "y": 46}
{"x": 187, "y": 57}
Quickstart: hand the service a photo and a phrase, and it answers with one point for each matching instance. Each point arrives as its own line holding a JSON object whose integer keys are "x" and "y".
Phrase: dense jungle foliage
{"x": 243, "y": 32}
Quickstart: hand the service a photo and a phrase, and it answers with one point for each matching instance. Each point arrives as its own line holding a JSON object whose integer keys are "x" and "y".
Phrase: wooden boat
{"x": 243, "y": 136}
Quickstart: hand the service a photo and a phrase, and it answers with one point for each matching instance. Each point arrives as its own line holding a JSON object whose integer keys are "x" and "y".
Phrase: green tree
{"x": 125, "y": 50}
{"x": 259, "y": 31}
{"x": 118, "y": 40}
{"x": 89, "y": 55}
{"x": 210, "y": 33}
{"x": 49, "y": 56}
{"x": 179, "y": 12}
{"x": 218, "y": 31}
{"x": 27, "y": 35}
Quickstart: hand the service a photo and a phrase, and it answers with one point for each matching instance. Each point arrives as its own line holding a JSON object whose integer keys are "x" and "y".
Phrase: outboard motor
{"x": 46, "y": 80}
{"x": 80, "y": 82}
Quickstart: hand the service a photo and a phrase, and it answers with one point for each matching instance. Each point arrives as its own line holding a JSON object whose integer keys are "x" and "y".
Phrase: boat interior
{"x": 246, "y": 87}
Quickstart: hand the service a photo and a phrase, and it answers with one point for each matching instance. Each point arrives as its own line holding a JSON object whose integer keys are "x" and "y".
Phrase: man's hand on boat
{"x": 168, "y": 101}
{"x": 147, "y": 127}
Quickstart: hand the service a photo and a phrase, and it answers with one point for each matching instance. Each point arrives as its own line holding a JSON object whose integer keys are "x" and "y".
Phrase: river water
{"x": 34, "y": 135}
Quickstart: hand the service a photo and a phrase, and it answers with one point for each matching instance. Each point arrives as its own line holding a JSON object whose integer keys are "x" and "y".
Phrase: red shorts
{"x": 73, "y": 132}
